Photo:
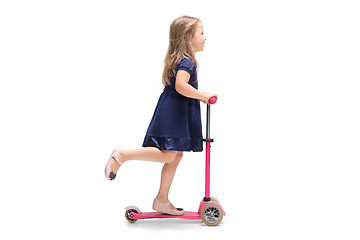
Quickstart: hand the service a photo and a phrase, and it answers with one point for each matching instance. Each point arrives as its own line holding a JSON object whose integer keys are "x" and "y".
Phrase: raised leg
{"x": 148, "y": 154}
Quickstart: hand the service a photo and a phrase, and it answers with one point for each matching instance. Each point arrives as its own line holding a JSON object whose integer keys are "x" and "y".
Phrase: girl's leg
{"x": 147, "y": 154}
{"x": 167, "y": 176}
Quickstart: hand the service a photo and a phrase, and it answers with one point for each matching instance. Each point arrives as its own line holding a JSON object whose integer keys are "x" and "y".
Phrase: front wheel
{"x": 212, "y": 214}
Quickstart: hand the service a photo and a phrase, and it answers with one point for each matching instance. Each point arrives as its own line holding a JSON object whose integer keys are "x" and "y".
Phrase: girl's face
{"x": 198, "y": 40}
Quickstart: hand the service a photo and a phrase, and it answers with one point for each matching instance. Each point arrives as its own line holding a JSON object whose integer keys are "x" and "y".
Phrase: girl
{"x": 176, "y": 124}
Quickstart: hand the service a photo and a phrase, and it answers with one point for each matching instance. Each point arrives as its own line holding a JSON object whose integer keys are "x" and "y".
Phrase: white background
{"x": 79, "y": 78}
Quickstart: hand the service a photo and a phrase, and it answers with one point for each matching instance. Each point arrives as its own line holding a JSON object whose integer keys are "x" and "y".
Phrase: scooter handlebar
{"x": 212, "y": 100}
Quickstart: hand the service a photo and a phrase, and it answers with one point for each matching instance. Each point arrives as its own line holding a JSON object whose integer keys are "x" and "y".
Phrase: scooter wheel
{"x": 212, "y": 214}
{"x": 128, "y": 216}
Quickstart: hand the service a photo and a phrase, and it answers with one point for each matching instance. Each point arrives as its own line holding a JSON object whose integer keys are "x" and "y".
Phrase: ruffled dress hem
{"x": 172, "y": 144}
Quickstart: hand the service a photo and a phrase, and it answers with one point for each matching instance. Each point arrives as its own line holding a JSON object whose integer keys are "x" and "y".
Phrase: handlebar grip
{"x": 212, "y": 100}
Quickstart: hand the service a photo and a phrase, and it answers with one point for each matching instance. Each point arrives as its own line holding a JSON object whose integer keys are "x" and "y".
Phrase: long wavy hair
{"x": 181, "y": 33}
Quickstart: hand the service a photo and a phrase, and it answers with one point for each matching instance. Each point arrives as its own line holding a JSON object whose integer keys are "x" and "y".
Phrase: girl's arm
{"x": 183, "y": 87}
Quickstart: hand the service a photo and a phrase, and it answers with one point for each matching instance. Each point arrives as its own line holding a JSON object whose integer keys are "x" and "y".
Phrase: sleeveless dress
{"x": 176, "y": 123}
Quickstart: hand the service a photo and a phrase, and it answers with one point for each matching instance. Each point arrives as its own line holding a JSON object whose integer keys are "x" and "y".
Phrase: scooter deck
{"x": 186, "y": 215}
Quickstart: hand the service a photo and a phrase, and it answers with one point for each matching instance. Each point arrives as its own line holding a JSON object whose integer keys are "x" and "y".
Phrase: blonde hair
{"x": 181, "y": 33}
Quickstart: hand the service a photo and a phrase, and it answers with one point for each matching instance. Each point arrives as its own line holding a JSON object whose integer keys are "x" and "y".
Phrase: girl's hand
{"x": 207, "y": 97}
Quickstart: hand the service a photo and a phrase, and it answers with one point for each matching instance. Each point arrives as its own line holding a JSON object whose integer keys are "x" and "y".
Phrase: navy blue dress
{"x": 176, "y": 123}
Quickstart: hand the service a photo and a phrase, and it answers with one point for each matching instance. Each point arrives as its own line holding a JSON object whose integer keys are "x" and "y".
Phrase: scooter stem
{"x": 207, "y": 173}
{"x": 208, "y": 140}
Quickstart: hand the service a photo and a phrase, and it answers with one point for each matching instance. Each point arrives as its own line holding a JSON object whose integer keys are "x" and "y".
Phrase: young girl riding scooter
{"x": 176, "y": 124}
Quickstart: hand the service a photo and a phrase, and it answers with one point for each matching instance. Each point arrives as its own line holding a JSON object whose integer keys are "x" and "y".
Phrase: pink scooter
{"x": 210, "y": 210}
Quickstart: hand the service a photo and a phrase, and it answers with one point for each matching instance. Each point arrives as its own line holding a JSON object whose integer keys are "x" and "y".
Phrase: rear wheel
{"x": 129, "y": 217}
